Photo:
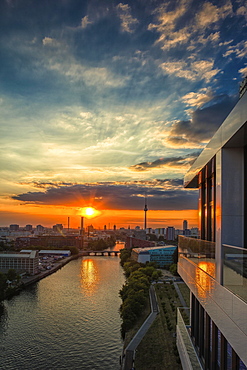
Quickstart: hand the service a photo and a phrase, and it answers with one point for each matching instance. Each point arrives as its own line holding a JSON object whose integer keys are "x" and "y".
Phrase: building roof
{"x": 15, "y": 255}
{"x": 55, "y": 251}
{"x": 232, "y": 133}
{"x": 147, "y": 250}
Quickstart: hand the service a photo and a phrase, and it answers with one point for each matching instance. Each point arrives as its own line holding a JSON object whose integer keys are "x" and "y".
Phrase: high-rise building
{"x": 185, "y": 224}
{"x": 28, "y": 227}
{"x": 170, "y": 233}
{"x": 214, "y": 267}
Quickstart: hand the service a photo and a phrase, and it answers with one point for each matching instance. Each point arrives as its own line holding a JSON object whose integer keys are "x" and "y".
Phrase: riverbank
{"x": 69, "y": 320}
{"x": 57, "y": 265}
{"x": 29, "y": 280}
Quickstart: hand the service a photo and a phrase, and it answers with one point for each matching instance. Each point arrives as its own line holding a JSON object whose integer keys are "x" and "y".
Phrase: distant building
{"x": 28, "y": 262}
{"x": 14, "y": 227}
{"x": 162, "y": 256}
{"x": 50, "y": 252}
{"x": 40, "y": 228}
{"x": 194, "y": 231}
{"x": 43, "y": 241}
{"x": 57, "y": 228}
{"x": 135, "y": 243}
{"x": 28, "y": 227}
{"x": 170, "y": 233}
{"x": 185, "y": 224}
{"x": 140, "y": 234}
{"x": 187, "y": 232}
{"x": 178, "y": 232}
{"x": 90, "y": 228}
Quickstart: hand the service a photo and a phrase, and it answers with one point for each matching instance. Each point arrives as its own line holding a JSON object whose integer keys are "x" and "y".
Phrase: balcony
{"x": 187, "y": 353}
{"x": 235, "y": 270}
{"x": 225, "y": 303}
{"x": 200, "y": 252}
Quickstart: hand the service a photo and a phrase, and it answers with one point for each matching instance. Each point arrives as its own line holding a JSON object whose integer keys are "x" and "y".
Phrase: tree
{"x": 124, "y": 256}
{"x": 3, "y": 285}
{"x": 74, "y": 250}
{"x": 152, "y": 237}
{"x": 156, "y": 275}
{"x": 173, "y": 269}
{"x": 12, "y": 275}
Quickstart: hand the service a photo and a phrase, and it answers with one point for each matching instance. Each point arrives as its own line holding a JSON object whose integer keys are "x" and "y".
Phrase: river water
{"x": 69, "y": 320}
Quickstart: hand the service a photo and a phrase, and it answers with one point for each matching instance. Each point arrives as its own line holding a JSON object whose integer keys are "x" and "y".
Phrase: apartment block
{"x": 212, "y": 334}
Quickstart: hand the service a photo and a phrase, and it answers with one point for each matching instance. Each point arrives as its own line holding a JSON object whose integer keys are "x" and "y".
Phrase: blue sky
{"x": 106, "y": 96}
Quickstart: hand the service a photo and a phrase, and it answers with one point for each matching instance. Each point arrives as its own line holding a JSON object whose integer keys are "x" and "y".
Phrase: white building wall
{"x": 143, "y": 258}
{"x": 229, "y": 201}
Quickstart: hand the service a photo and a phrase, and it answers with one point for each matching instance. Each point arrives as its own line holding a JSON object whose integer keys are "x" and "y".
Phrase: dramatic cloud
{"x": 203, "y": 124}
{"x": 113, "y": 95}
{"x": 162, "y": 195}
{"x": 162, "y": 162}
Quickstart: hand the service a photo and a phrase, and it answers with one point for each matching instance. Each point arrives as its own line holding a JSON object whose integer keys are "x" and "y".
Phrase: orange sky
{"x": 50, "y": 215}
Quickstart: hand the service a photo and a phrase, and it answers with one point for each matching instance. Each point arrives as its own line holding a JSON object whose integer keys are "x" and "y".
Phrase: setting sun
{"x": 89, "y": 212}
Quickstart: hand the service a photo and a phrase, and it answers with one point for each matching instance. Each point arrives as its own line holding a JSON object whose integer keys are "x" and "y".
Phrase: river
{"x": 69, "y": 320}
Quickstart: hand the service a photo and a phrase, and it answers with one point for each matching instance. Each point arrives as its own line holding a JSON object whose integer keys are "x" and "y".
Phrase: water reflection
{"x": 89, "y": 277}
{"x": 205, "y": 272}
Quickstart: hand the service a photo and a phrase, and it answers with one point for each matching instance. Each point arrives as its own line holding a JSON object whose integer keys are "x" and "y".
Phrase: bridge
{"x": 99, "y": 253}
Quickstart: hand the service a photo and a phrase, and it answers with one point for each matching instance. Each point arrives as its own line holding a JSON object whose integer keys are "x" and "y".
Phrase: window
{"x": 207, "y": 201}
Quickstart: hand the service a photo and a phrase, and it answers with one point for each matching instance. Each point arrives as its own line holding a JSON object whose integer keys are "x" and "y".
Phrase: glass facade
{"x": 206, "y": 182}
{"x": 214, "y": 351}
{"x": 215, "y": 267}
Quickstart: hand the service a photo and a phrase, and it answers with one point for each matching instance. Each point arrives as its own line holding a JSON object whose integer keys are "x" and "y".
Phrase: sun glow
{"x": 89, "y": 212}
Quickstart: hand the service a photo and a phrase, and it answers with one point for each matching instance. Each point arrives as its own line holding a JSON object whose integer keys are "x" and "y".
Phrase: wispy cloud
{"x": 199, "y": 98}
{"x": 128, "y": 23}
{"x": 85, "y": 21}
{"x": 211, "y": 14}
{"x": 196, "y": 70}
{"x": 240, "y": 50}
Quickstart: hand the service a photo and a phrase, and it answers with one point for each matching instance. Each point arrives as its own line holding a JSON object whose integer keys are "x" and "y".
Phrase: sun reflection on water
{"x": 89, "y": 277}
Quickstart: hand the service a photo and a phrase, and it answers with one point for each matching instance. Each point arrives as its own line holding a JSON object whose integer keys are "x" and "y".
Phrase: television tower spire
{"x": 145, "y": 213}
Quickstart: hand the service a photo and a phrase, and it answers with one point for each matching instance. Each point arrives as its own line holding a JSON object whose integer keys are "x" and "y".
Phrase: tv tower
{"x": 145, "y": 213}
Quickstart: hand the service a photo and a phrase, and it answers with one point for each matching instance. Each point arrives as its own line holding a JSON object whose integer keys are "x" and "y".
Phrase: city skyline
{"x": 104, "y": 103}
{"x": 161, "y": 221}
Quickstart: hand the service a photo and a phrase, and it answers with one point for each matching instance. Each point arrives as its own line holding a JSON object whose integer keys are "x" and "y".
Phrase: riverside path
{"x": 129, "y": 353}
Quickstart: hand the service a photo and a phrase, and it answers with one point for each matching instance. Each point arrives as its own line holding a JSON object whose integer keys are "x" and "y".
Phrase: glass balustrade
{"x": 235, "y": 270}
{"x": 200, "y": 252}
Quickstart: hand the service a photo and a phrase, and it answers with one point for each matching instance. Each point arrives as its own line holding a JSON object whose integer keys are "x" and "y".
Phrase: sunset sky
{"x": 103, "y": 102}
